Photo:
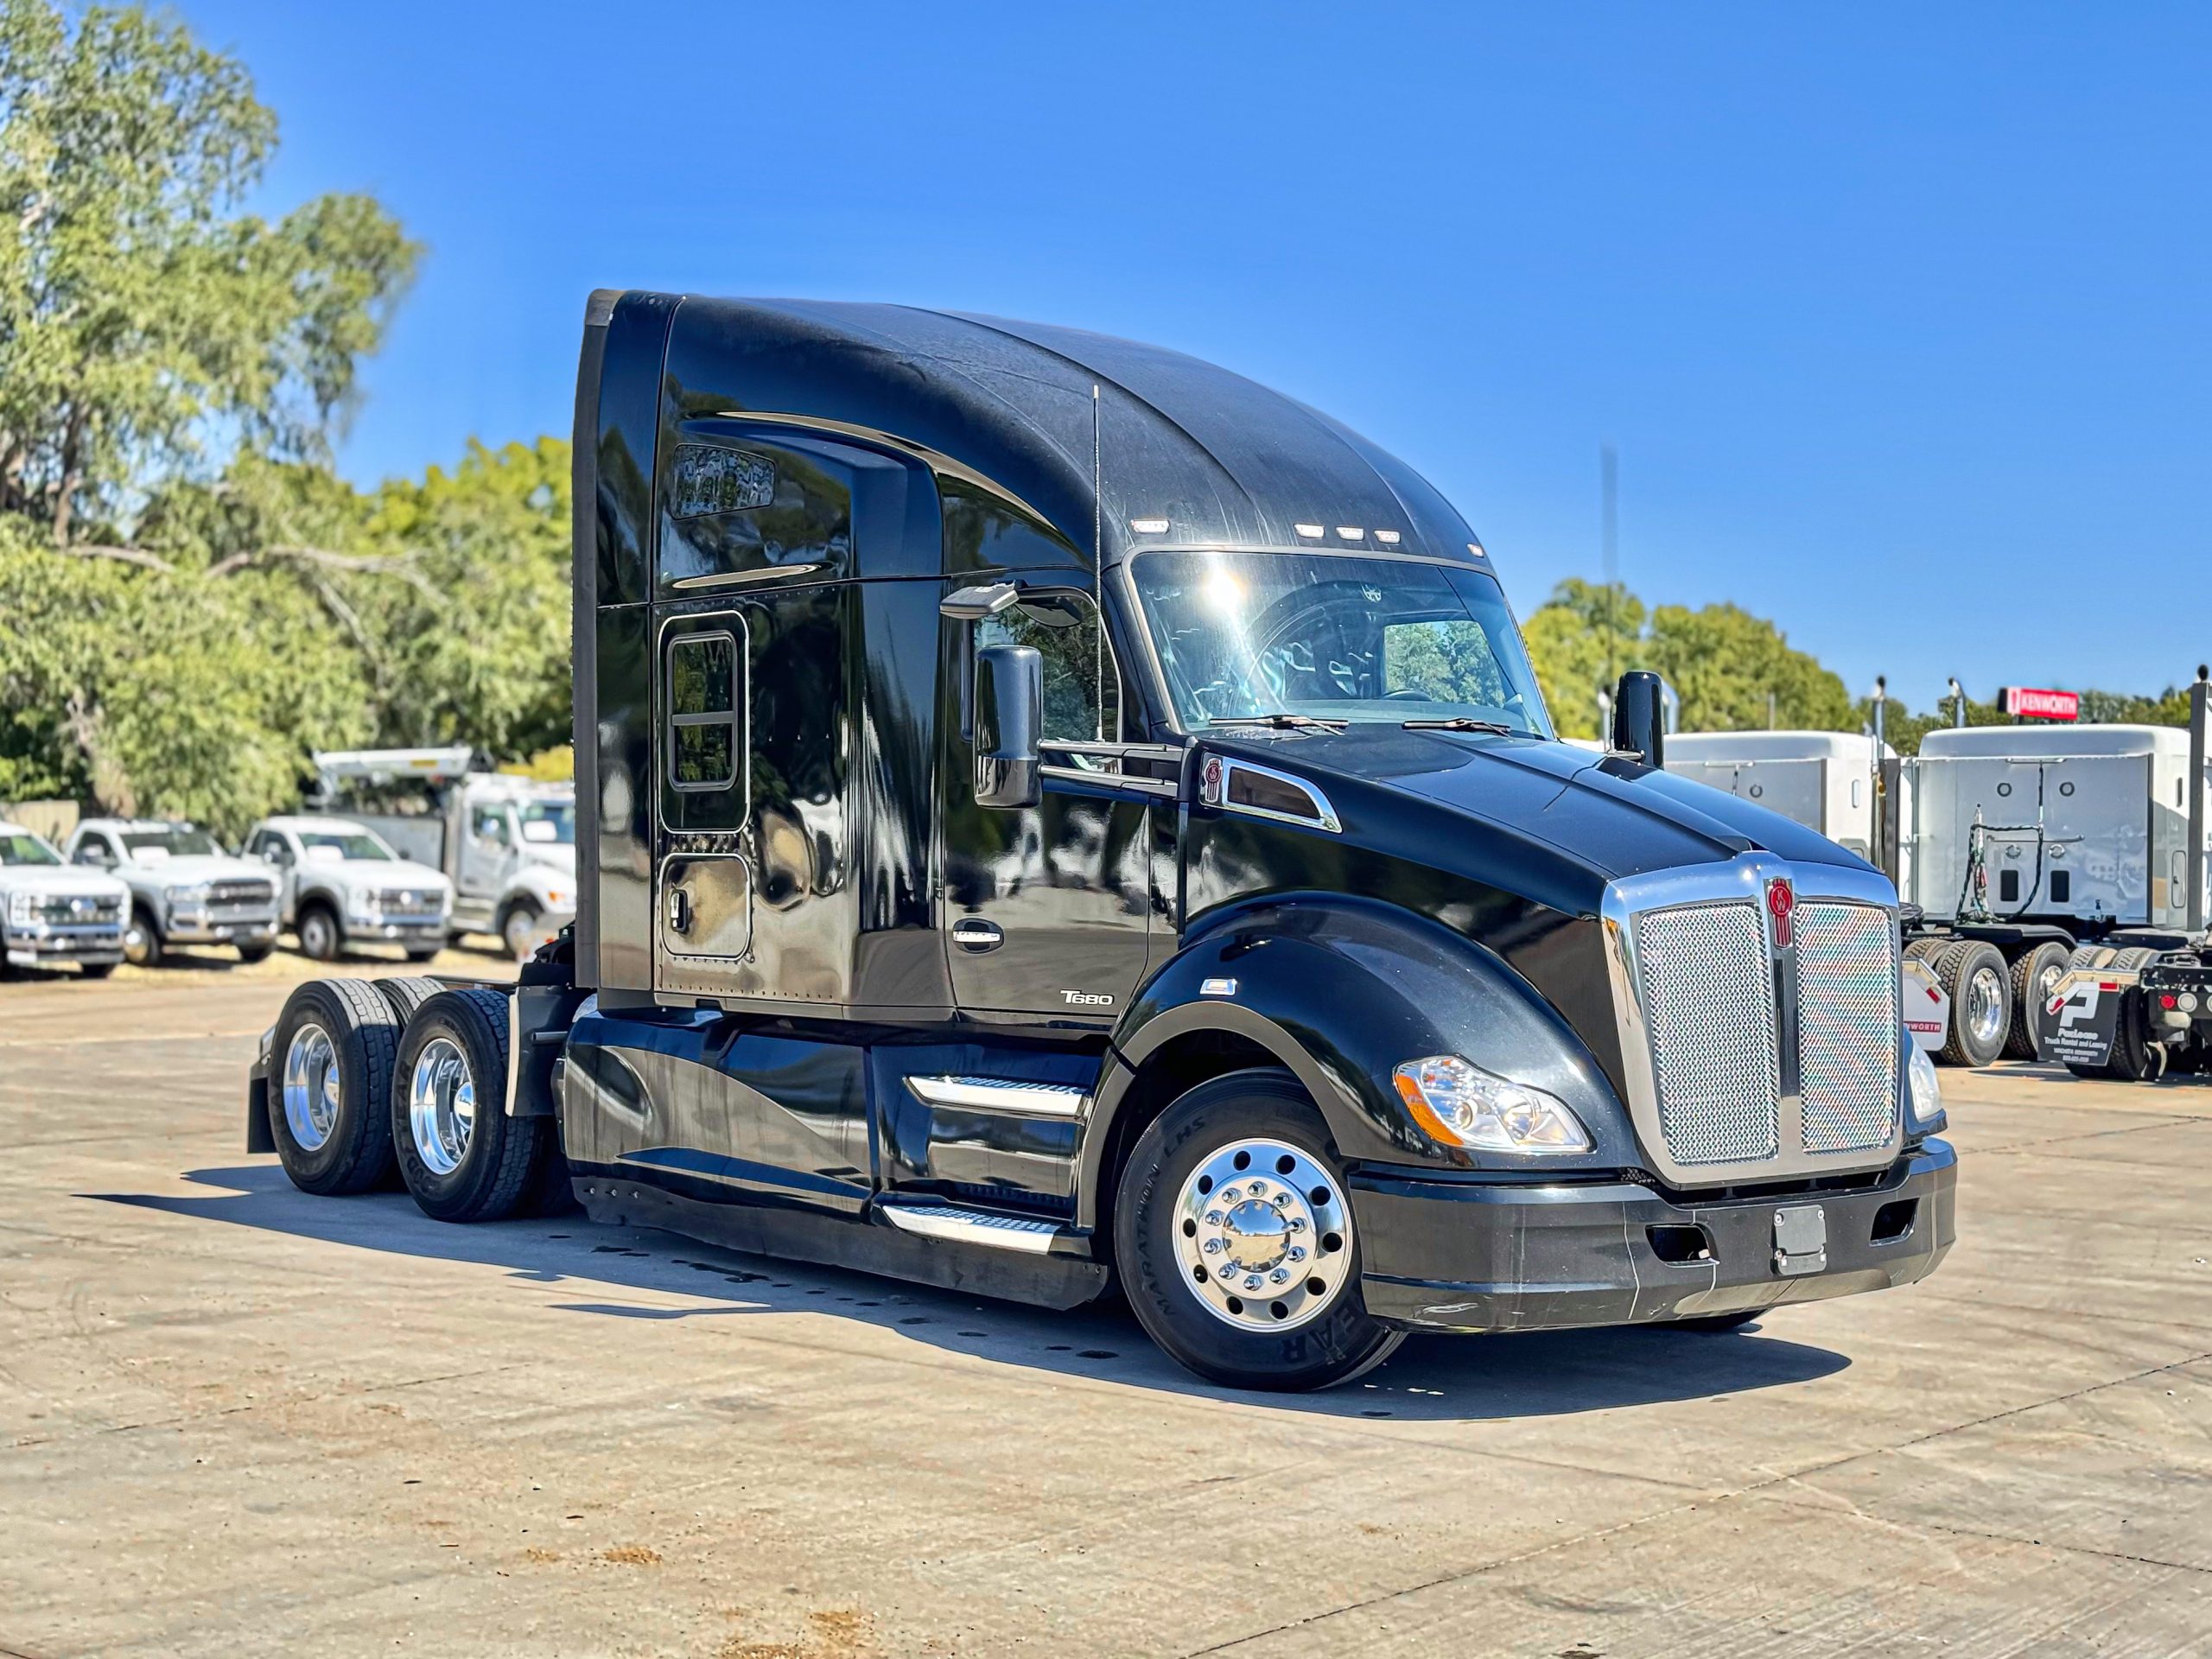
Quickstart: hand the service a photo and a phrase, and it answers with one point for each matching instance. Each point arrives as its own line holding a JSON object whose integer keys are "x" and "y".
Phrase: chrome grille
{"x": 1847, "y": 1017}
{"x": 81, "y": 911}
{"x": 401, "y": 905}
{"x": 241, "y": 893}
{"x": 1708, "y": 1006}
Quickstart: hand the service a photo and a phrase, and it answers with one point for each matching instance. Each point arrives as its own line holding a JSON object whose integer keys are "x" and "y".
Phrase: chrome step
{"x": 1001, "y": 1095}
{"x": 1024, "y": 1233}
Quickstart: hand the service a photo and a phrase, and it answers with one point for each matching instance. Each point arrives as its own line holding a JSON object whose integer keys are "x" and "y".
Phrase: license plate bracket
{"x": 1801, "y": 1239}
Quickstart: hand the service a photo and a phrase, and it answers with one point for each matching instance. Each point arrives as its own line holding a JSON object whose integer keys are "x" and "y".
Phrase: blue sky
{"x": 1897, "y": 316}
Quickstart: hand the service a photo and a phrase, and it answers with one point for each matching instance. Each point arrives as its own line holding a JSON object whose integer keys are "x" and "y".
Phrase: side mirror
{"x": 1640, "y": 716}
{"x": 1009, "y": 704}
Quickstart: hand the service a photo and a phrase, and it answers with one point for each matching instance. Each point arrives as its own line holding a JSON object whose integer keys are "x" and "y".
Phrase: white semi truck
{"x": 507, "y": 844}
{"x": 2054, "y": 875}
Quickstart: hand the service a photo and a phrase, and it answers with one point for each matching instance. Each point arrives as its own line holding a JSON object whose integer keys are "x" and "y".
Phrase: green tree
{"x": 1568, "y": 641}
{"x": 173, "y": 559}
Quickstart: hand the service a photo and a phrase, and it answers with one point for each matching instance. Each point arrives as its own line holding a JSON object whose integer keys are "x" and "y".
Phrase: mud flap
{"x": 2085, "y": 1004}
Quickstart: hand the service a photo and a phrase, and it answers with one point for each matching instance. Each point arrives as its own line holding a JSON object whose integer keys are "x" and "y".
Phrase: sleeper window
{"x": 703, "y": 712}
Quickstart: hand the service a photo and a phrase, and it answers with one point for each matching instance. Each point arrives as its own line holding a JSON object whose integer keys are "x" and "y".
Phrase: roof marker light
{"x": 1149, "y": 526}
{"x": 1307, "y": 529}
{"x": 1474, "y": 547}
{"x": 1352, "y": 533}
{"x": 1387, "y": 537}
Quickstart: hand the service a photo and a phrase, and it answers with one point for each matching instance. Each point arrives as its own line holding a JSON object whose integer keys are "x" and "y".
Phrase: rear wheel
{"x": 319, "y": 935}
{"x": 462, "y": 1157}
{"x": 1236, "y": 1243}
{"x": 330, "y": 1075}
{"x": 141, "y": 939}
{"x": 1973, "y": 976}
{"x": 2034, "y": 972}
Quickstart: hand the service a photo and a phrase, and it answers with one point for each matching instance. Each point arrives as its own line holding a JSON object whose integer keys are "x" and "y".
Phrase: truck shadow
{"x": 648, "y": 1277}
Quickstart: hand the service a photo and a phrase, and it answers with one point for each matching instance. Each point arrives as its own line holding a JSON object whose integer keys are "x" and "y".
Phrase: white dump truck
{"x": 507, "y": 844}
{"x": 185, "y": 888}
{"x": 53, "y": 913}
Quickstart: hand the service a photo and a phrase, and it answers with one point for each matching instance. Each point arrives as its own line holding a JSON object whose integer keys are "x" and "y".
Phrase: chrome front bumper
{"x": 42, "y": 944}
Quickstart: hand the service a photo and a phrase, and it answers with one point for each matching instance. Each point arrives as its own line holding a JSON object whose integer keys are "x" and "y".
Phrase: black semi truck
{"x": 1052, "y": 814}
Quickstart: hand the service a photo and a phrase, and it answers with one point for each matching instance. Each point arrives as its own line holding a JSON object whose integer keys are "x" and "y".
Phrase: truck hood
{"x": 377, "y": 875}
{"x": 1549, "y": 821}
{"x": 553, "y": 855}
{"x": 59, "y": 882}
{"x": 200, "y": 867}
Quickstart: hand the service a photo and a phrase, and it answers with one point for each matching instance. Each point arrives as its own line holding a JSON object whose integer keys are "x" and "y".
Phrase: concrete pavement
{"x": 235, "y": 1420}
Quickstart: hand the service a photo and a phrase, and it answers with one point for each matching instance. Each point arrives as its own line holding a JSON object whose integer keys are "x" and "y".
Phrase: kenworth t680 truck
{"x": 1051, "y": 813}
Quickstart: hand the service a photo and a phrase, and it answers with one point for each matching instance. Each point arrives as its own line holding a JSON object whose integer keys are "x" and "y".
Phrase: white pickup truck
{"x": 51, "y": 913}
{"x": 342, "y": 884}
{"x": 185, "y": 889}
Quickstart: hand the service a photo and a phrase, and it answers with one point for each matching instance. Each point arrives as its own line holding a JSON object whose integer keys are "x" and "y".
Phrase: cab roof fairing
{"x": 1225, "y": 461}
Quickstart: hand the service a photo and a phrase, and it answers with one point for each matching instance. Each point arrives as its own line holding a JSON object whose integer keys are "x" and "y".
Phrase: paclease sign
{"x": 2033, "y": 704}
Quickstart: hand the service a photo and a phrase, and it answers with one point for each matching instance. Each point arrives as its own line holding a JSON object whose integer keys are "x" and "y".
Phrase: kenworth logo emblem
{"x": 1210, "y": 781}
{"x": 1781, "y": 909}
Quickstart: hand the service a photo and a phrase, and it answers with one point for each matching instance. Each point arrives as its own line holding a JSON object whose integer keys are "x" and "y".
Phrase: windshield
{"x": 1332, "y": 637}
{"x": 17, "y": 847}
{"x": 347, "y": 844}
{"x": 550, "y": 821}
{"x": 178, "y": 840}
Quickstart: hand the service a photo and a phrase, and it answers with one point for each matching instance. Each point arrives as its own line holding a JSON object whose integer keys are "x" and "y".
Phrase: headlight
{"x": 1927, "y": 1113}
{"x": 195, "y": 894}
{"x": 22, "y": 909}
{"x": 1463, "y": 1105}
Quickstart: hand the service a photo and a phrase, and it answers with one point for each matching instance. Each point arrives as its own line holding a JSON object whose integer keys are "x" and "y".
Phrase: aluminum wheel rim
{"x": 441, "y": 1105}
{"x": 312, "y": 1090}
{"x": 1985, "y": 997}
{"x": 1263, "y": 1234}
{"x": 517, "y": 937}
{"x": 135, "y": 940}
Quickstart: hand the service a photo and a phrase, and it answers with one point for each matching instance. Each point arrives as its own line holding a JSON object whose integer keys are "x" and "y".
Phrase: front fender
{"x": 1342, "y": 992}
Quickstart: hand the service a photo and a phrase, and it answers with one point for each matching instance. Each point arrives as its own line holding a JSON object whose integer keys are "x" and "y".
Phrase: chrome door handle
{"x": 970, "y": 933}
{"x": 679, "y": 911}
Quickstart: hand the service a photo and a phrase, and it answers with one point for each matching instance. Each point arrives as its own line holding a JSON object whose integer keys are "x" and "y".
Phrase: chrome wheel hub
{"x": 1986, "y": 996}
{"x": 1263, "y": 1235}
{"x": 312, "y": 1091}
{"x": 441, "y": 1105}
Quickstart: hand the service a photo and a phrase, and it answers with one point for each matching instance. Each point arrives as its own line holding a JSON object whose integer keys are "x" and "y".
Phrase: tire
{"x": 2135, "y": 1058}
{"x": 321, "y": 937}
{"x": 414, "y": 954}
{"x": 2033, "y": 971}
{"x": 1973, "y": 976}
{"x": 342, "y": 1146}
{"x": 461, "y": 1154}
{"x": 96, "y": 969}
{"x": 142, "y": 940}
{"x": 519, "y": 927}
{"x": 249, "y": 954}
{"x": 406, "y": 994}
{"x": 1213, "y": 1331}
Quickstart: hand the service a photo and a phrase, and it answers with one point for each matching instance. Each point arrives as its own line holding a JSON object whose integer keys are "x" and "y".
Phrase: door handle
{"x": 679, "y": 911}
{"x": 972, "y": 934}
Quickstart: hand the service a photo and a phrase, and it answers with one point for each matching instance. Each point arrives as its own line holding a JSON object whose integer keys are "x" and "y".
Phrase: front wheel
{"x": 519, "y": 929}
{"x": 141, "y": 939}
{"x": 319, "y": 935}
{"x": 1236, "y": 1243}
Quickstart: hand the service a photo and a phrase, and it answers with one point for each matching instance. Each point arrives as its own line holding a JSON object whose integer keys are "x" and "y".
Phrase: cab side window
{"x": 489, "y": 825}
{"x": 1083, "y": 691}
{"x": 94, "y": 849}
{"x": 705, "y": 729}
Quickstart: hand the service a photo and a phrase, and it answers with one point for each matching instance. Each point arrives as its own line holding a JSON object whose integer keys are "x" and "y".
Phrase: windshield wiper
{"x": 1281, "y": 722}
{"x": 1462, "y": 724}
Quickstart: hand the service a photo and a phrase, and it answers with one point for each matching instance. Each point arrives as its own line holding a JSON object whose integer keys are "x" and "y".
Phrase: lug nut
{"x": 1213, "y": 1247}
{"x": 1298, "y": 1252}
{"x": 1279, "y": 1276}
{"x": 1252, "y": 1281}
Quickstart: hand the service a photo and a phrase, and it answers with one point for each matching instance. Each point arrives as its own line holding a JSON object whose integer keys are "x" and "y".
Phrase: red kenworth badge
{"x": 1782, "y": 905}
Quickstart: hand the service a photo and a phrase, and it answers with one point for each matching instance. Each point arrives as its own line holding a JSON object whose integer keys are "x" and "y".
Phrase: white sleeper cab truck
{"x": 341, "y": 883}
{"x": 52, "y": 913}
{"x": 1057, "y": 816}
{"x": 508, "y": 845}
{"x": 185, "y": 888}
